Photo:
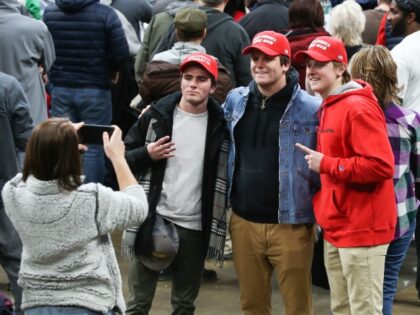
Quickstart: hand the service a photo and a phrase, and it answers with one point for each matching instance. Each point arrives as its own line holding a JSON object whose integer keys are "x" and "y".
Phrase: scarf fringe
{"x": 127, "y": 243}
{"x": 216, "y": 255}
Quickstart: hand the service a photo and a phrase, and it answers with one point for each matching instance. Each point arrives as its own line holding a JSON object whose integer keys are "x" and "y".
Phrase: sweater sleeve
{"x": 119, "y": 210}
{"x": 371, "y": 158}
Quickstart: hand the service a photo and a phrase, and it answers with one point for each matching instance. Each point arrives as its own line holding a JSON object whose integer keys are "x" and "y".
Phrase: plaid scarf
{"x": 218, "y": 222}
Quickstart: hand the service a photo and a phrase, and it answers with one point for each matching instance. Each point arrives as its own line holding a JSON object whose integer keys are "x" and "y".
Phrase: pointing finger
{"x": 304, "y": 149}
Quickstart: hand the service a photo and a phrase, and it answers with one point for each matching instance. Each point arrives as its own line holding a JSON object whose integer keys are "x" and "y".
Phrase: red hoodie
{"x": 356, "y": 204}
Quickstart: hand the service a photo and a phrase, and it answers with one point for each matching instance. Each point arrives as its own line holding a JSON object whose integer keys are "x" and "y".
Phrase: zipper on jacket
{"x": 264, "y": 101}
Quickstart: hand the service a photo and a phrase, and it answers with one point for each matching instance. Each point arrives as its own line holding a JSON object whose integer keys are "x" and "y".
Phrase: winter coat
{"x": 89, "y": 41}
{"x": 268, "y": 15}
{"x": 15, "y": 127}
{"x": 225, "y": 40}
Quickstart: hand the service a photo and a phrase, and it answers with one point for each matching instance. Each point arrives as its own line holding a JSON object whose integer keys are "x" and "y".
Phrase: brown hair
{"x": 186, "y": 37}
{"x": 374, "y": 64}
{"x": 345, "y": 77}
{"x": 284, "y": 60}
{"x": 52, "y": 154}
{"x": 306, "y": 13}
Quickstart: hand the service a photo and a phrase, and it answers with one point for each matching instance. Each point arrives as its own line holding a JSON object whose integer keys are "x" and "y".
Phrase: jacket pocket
{"x": 328, "y": 214}
{"x": 304, "y": 132}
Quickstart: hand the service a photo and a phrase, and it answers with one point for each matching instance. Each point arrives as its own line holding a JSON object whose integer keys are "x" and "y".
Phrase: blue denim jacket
{"x": 297, "y": 184}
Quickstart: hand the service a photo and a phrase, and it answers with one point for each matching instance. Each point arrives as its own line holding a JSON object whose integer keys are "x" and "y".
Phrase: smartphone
{"x": 92, "y": 134}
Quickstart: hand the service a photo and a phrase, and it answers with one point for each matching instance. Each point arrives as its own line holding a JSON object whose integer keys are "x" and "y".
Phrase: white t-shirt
{"x": 180, "y": 199}
{"x": 406, "y": 56}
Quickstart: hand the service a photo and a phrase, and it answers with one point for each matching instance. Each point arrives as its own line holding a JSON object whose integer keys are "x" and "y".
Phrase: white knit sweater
{"x": 68, "y": 257}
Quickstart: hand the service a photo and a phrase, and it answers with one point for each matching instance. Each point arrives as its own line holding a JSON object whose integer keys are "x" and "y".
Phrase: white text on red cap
{"x": 200, "y": 59}
{"x": 319, "y": 43}
{"x": 264, "y": 39}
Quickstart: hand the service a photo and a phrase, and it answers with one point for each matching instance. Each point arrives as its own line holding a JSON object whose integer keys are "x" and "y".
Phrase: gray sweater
{"x": 68, "y": 257}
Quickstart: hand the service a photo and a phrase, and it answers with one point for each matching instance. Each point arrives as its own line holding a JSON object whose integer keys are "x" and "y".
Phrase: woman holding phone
{"x": 68, "y": 261}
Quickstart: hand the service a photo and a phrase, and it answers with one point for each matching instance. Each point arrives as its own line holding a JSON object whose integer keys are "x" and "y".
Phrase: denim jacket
{"x": 297, "y": 184}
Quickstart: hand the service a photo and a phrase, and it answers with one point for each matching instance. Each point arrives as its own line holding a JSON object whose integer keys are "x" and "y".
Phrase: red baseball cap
{"x": 270, "y": 43}
{"x": 324, "y": 49}
{"x": 208, "y": 62}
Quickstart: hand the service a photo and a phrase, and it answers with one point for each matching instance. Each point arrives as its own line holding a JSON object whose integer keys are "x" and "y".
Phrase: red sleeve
{"x": 381, "y": 38}
{"x": 372, "y": 159}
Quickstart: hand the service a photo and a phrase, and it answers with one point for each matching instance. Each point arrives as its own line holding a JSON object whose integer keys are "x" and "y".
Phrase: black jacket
{"x": 139, "y": 161}
{"x": 225, "y": 40}
{"x": 268, "y": 15}
{"x": 89, "y": 42}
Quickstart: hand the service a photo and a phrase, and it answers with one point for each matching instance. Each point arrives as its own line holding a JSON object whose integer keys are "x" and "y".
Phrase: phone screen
{"x": 92, "y": 134}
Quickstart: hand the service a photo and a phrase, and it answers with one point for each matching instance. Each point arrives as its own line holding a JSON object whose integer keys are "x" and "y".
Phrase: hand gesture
{"x": 312, "y": 157}
{"x": 114, "y": 147}
{"x": 161, "y": 149}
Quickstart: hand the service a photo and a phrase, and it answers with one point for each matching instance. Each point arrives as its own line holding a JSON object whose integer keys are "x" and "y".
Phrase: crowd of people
{"x": 265, "y": 127}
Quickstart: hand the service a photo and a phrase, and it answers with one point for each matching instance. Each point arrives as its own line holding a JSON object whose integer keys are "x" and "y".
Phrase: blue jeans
{"x": 63, "y": 310}
{"x": 396, "y": 253}
{"x": 93, "y": 106}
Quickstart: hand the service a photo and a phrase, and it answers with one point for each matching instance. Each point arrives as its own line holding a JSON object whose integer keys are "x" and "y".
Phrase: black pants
{"x": 418, "y": 251}
{"x": 186, "y": 269}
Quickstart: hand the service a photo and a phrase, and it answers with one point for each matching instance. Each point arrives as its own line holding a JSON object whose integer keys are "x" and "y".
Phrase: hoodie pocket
{"x": 328, "y": 213}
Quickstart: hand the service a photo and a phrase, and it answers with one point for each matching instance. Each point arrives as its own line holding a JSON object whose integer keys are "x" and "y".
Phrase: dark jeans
{"x": 418, "y": 252}
{"x": 10, "y": 254}
{"x": 187, "y": 269}
{"x": 93, "y": 106}
{"x": 395, "y": 256}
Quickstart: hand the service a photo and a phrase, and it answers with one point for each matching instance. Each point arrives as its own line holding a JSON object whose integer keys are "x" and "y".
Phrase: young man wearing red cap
{"x": 270, "y": 186}
{"x": 181, "y": 184}
{"x": 356, "y": 205}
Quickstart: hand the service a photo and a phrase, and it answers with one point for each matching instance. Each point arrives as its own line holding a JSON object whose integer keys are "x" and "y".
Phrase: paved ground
{"x": 222, "y": 296}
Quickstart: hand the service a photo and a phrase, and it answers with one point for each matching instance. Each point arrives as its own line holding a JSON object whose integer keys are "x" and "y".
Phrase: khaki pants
{"x": 356, "y": 277}
{"x": 261, "y": 248}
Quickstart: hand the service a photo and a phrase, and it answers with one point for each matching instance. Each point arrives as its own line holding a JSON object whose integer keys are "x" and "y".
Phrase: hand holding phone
{"x": 92, "y": 134}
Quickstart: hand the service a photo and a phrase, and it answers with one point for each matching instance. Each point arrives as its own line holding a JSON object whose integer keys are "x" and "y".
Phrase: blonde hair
{"x": 374, "y": 64}
{"x": 347, "y": 22}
